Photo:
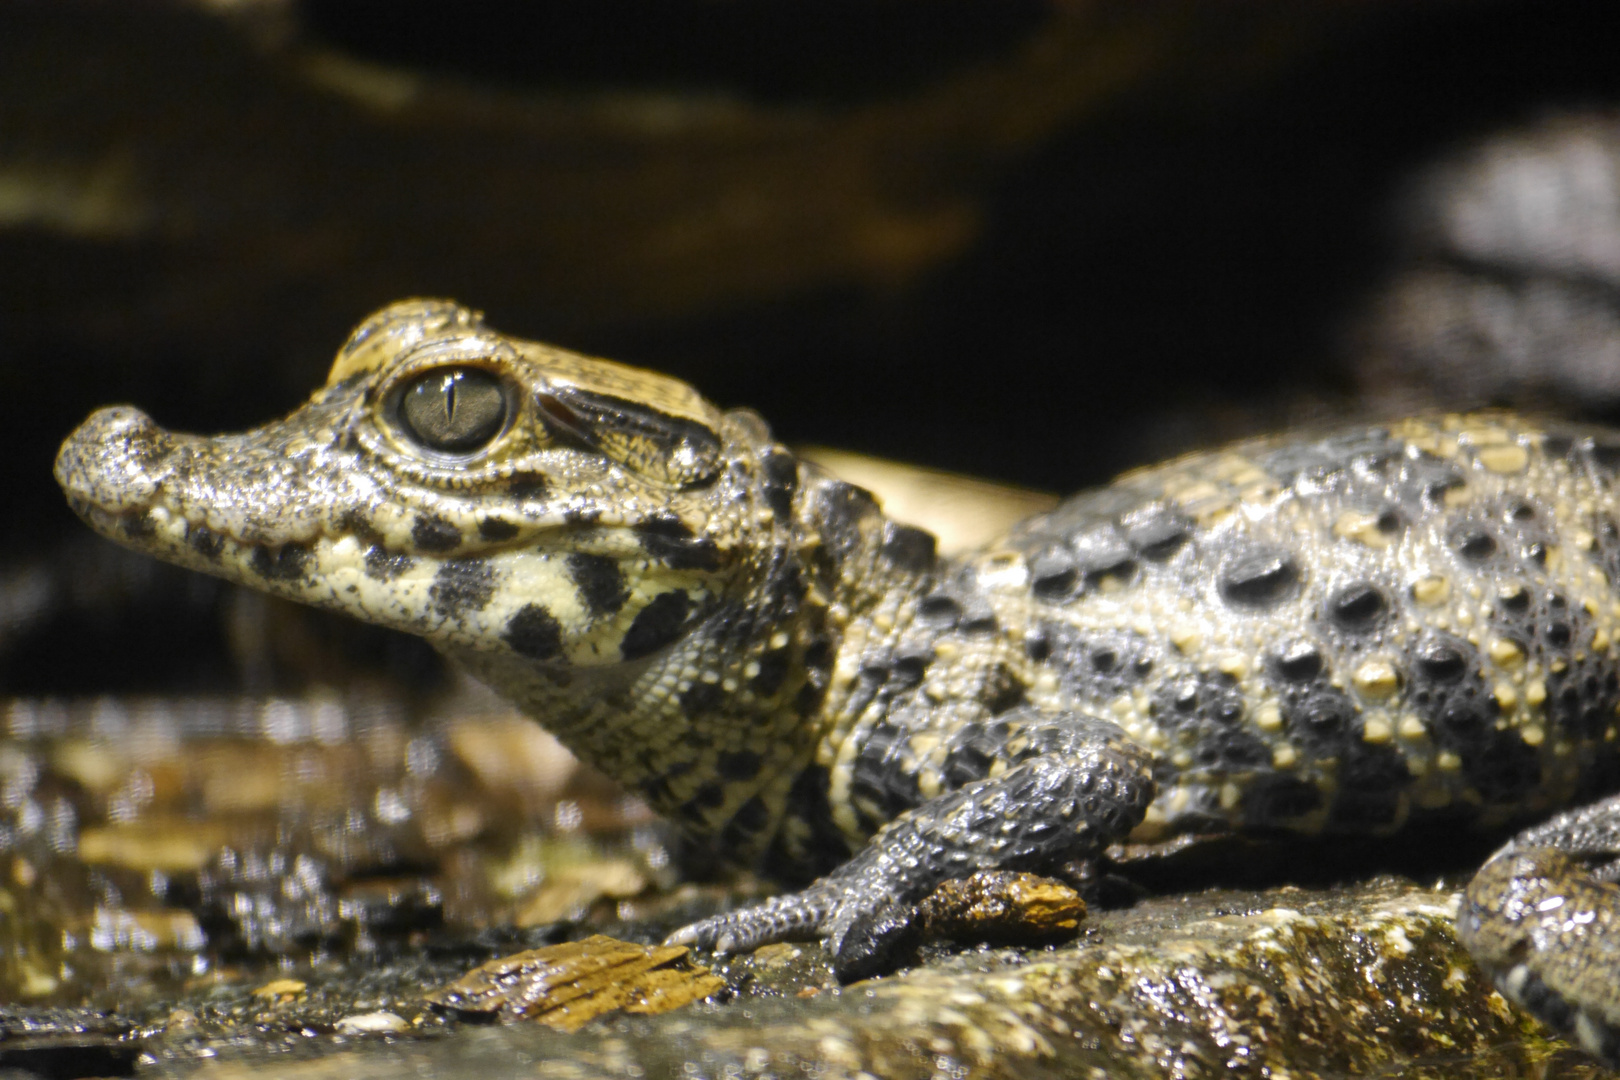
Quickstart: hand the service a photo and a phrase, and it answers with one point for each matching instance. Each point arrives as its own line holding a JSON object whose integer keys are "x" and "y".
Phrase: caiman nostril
{"x": 106, "y": 462}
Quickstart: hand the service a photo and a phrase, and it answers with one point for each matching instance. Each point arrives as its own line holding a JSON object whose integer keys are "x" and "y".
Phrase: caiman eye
{"x": 455, "y": 410}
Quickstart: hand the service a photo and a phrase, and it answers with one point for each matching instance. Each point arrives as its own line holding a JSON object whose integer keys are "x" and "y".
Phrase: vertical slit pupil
{"x": 455, "y": 410}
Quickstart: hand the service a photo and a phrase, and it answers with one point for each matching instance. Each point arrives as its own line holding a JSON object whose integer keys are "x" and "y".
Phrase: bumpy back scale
{"x": 1345, "y": 631}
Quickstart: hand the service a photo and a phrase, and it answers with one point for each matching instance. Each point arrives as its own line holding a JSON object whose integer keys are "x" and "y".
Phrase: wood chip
{"x": 566, "y": 986}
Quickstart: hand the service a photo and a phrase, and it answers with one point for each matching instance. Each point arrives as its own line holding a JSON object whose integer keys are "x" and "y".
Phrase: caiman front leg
{"x": 1050, "y": 791}
{"x": 1542, "y": 917}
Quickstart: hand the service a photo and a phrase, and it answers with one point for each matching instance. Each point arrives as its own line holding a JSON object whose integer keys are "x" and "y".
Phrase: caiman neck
{"x": 713, "y": 730}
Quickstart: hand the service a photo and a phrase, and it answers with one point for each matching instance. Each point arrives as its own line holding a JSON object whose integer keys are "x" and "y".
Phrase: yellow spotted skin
{"x": 1340, "y": 631}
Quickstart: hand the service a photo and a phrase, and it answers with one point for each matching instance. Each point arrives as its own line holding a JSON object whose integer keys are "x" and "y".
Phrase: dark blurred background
{"x": 1033, "y": 241}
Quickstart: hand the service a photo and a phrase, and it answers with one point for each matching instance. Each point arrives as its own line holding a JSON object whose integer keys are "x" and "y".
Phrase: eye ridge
{"x": 455, "y": 410}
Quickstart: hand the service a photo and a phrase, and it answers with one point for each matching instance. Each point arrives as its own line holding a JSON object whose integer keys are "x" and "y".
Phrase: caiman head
{"x": 489, "y": 494}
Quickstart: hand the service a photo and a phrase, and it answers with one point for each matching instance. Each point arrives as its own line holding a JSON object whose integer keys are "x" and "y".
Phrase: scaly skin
{"x": 1348, "y": 632}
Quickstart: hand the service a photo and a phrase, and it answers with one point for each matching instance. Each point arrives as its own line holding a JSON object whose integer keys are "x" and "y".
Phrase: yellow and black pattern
{"x": 1346, "y": 631}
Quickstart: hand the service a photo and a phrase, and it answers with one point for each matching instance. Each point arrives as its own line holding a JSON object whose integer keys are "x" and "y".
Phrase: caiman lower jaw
{"x": 290, "y": 569}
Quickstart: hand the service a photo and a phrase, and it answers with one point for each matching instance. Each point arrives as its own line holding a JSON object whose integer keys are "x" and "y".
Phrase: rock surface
{"x": 1368, "y": 981}
{"x": 156, "y": 923}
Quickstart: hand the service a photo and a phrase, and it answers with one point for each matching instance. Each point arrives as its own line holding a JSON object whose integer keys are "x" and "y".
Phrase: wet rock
{"x": 1323, "y": 984}
{"x": 385, "y": 866}
{"x": 1507, "y": 292}
{"x": 278, "y": 991}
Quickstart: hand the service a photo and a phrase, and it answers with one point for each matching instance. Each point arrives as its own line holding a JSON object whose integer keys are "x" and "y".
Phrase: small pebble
{"x": 371, "y": 1023}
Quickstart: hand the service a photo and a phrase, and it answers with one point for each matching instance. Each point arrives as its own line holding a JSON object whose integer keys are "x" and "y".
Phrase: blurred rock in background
{"x": 1509, "y": 288}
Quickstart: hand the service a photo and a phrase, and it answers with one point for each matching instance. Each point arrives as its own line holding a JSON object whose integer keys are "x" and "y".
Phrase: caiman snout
{"x": 110, "y": 460}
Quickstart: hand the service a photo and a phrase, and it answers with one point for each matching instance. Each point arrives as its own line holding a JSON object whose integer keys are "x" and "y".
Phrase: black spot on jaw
{"x": 356, "y": 524}
{"x": 496, "y": 529}
{"x": 385, "y": 566}
{"x": 810, "y": 697}
{"x": 809, "y": 806}
{"x": 434, "y": 534}
{"x": 462, "y": 585}
{"x": 137, "y": 526}
{"x": 205, "y": 541}
{"x": 600, "y": 582}
{"x": 286, "y": 563}
{"x": 818, "y": 654}
{"x": 907, "y": 548}
{"x": 1359, "y": 608}
{"x": 534, "y": 632}
{"x": 669, "y": 541}
{"x": 656, "y": 625}
{"x": 667, "y": 528}
{"x": 1258, "y": 579}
